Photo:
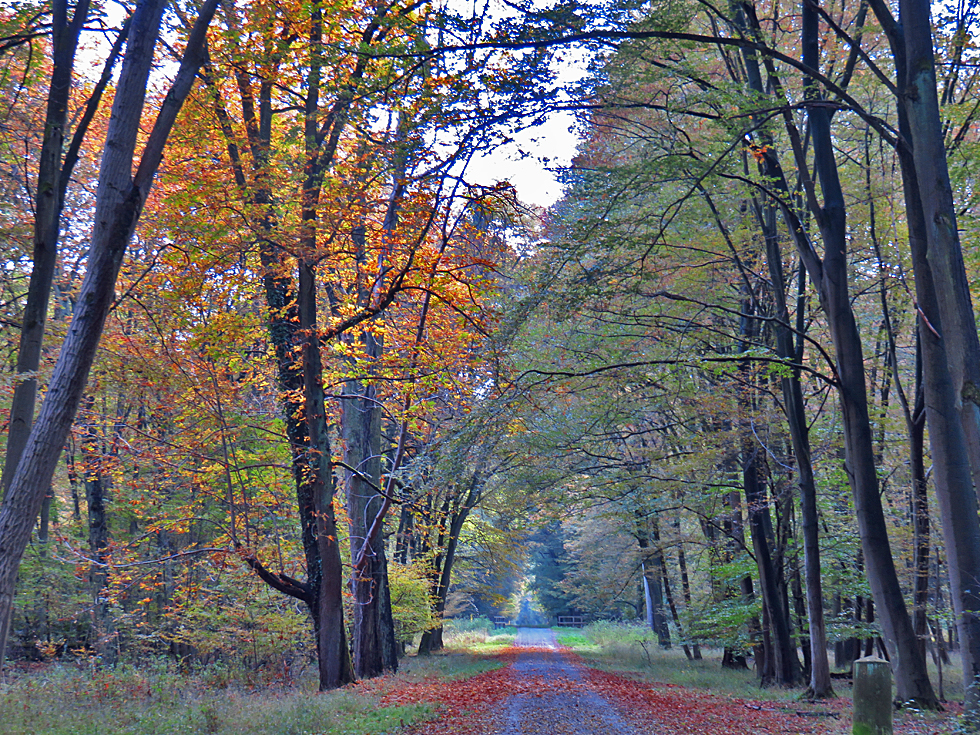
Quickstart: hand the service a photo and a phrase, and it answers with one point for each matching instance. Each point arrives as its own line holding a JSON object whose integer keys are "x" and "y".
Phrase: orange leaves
{"x": 758, "y": 152}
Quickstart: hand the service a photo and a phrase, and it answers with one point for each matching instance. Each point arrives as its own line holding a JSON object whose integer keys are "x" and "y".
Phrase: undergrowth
{"x": 160, "y": 700}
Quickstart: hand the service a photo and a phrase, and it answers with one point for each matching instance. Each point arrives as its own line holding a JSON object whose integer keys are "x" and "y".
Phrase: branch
{"x": 194, "y": 57}
{"x": 282, "y": 582}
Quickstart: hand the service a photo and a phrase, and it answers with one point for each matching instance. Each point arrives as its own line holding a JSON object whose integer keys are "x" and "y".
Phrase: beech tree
{"x": 119, "y": 202}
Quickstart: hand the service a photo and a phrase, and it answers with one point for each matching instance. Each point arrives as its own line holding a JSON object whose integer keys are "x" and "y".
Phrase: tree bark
{"x": 334, "y": 658}
{"x": 944, "y": 253}
{"x": 829, "y": 275}
{"x": 786, "y": 665}
{"x": 49, "y": 201}
{"x": 361, "y": 428}
{"x": 820, "y": 683}
{"x": 279, "y": 286}
{"x": 653, "y": 591}
{"x": 432, "y": 639}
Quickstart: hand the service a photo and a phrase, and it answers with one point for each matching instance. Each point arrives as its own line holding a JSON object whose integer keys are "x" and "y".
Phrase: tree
{"x": 55, "y": 167}
{"x": 119, "y": 202}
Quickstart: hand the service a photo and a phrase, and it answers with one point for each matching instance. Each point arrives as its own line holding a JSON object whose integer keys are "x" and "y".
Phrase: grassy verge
{"x": 159, "y": 700}
{"x": 633, "y": 648}
{"x": 628, "y": 648}
{"x": 478, "y": 636}
{"x": 453, "y": 663}
{"x": 576, "y": 640}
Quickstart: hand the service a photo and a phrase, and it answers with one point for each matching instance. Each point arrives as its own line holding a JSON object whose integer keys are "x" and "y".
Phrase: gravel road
{"x": 554, "y": 698}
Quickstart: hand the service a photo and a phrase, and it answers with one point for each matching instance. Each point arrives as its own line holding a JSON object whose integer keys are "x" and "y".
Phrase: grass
{"x": 479, "y": 636}
{"x": 634, "y": 648}
{"x": 452, "y": 663}
{"x": 158, "y": 700}
{"x": 625, "y": 648}
{"x": 576, "y": 640}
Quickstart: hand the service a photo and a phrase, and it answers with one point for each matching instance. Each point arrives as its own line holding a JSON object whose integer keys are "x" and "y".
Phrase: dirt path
{"x": 552, "y": 697}
{"x": 543, "y": 690}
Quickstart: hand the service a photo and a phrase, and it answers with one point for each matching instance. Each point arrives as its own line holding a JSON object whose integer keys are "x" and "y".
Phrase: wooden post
{"x": 872, "y": 697}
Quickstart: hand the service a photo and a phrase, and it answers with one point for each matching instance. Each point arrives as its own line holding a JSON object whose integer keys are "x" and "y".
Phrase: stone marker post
{"x": 872, "y": 697}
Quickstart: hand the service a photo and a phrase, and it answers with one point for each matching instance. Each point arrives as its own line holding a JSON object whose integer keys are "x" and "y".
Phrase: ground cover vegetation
{"x": 318, "y": 391}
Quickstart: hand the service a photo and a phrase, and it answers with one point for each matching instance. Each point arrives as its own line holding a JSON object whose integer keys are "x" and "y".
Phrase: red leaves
{"x": 473, "y": 706}
{"x": 465, "y": 707}
{"x": 673, "y": 710}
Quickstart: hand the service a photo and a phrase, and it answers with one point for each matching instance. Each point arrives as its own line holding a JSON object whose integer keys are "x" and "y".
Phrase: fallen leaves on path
{"x": 671, "y": 710}
{"x": 473, "y": 706}
{"x": 465, "y": 707}
{"x": 675, "y": 710}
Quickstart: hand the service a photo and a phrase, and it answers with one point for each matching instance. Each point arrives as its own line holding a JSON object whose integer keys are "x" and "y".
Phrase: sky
{"x": 536, "y": 182}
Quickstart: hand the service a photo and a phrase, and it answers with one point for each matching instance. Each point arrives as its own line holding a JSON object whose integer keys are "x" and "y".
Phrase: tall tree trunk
{"x": 787, "y": 667}
{"x": 949, "y": 341}
{"x": 432, "y": 639}
{"x": 944, "y": 253}
{"x": 792, "y": 390}
{"x": 920, "y": 512}
{"x": 119, "y": 202}
{"x": 51, "y": 185}
{"x": 947, "y": 327}
{"x": 653, "y": 591}
{"x": 374, "y": 632}
{"x": 334, "y": 657}
{"x": 279, "y": 286}
{"x": 361, "y": 429}
{"x": 747, "y": 21}
{"x": 672, "y": 605}
{"x": 829, "y": 275}
{"x": 685, "y": 584}
{"x": 96, "y": 487}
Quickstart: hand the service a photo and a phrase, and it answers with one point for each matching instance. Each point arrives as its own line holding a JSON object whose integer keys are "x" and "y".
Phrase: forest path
{"x": 551, "y": 694}
{"x": 543, "y": 689}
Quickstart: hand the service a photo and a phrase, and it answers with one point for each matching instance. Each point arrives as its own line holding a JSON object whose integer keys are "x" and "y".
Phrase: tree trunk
{"x": 948, "y": 334}
{"x": 947, "y": 328}
{"x": 830, "y": 277}
{"x": 786, "y": 665}
{"x": 653, "y": 591}
{"x": 93, "y": 449}
{"x": 432, "y": 639}
{"x": 686, "y": 585}
{"x": 279, "y": 287}
{"x": 921, "y": 538}
{"x": 334, "y": 658}
{"x": 954, "y": 482}
{"x": 50, "y": 188}
{"x": 672, "y": 606}
{"x": 820, "y": 683}
{"x": 119, "y": 202}
{"x": 361, "y": 429}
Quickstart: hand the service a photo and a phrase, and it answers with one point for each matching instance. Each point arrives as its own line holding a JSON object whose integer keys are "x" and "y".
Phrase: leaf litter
{"x": 548, "y": 691}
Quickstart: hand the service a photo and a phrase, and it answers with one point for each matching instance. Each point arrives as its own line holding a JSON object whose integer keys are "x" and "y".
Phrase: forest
{"x": 288, "y": 382}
